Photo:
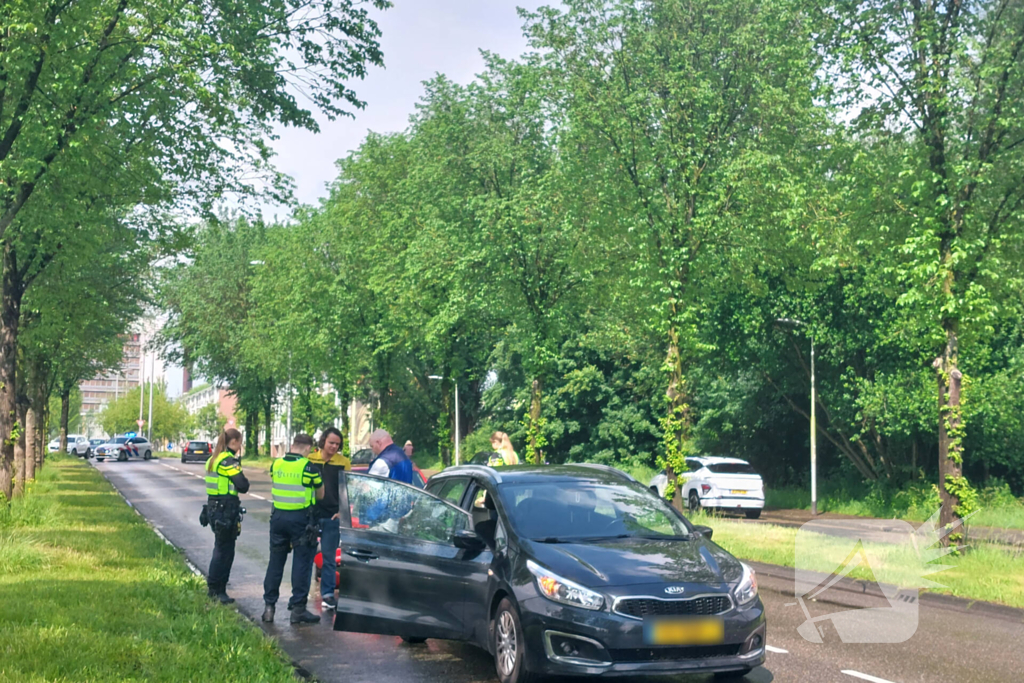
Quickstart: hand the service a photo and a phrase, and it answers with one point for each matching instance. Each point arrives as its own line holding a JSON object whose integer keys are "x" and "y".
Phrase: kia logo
{"x": 675, "y": 590}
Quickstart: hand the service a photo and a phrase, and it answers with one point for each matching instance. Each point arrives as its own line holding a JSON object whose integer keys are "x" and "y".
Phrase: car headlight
{"x": 554, "y": 587}
{"x": 747, "y": 588}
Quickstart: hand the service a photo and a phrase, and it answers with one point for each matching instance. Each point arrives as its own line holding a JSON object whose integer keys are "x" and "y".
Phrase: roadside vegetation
{"x": 986, "y": 572}
{"x": 88, "y": 592}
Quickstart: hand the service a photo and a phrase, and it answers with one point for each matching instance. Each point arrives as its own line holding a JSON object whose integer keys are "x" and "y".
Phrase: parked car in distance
{"x": 718, "y": 483}
{"x": 565, "y": 570}
{"x": 362, "y": 459}
{"x": 124, "y": 447}
{"x": 197, "y": 450}
{"x": 77, "y": 445}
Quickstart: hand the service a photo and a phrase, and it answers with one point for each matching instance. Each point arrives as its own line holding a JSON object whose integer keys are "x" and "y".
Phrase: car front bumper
{"x": 616, "y": 644}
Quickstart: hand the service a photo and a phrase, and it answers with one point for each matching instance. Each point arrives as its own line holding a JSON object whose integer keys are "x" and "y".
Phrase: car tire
{"x": 147, "y": 455}
{"x": 731, "y": 675}
{"x": 752, "y": 514}
{"x": 693, "y": 502}
{"x": 414, "y": 641}
{"x": 509, "y": 645}
{"x": 122, "y": 456}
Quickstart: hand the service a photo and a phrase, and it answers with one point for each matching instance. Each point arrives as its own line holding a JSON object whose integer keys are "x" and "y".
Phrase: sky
{"x": 421, "y": 38}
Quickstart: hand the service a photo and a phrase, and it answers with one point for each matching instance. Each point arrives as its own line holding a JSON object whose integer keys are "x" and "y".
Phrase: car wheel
{"x": 752, "y": 514}
{"x": 731, "y": 675}
{"x": 414, "y": 641}
{"x": 509, "y": 645}
{"x": 147, "y": 455}
{"x": 122, "y": 456}
{"x": 694, "y": 502}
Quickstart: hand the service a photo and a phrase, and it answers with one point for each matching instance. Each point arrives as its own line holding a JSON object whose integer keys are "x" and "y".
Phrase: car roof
{"x": 527, "y": 474}
{"x": 715, "y": 459}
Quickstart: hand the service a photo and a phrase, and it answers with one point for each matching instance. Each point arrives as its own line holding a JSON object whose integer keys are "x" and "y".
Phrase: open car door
{"x": 407, "y": 560}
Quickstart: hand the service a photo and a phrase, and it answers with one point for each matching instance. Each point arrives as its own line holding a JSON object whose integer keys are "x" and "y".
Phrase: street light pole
{"x": 152, "y": 375}
{"x": 814, "y": 420}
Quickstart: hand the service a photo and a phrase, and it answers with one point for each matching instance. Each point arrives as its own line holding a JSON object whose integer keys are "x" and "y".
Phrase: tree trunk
{"x": 268, "y": 422}
{"x": 676, "y": 421}
{"x": 65, "y": 408}
{"x": 535, "y": 398}
{"x": 31, "y": 434}
{"x": 41, "y": 417}
{"x": 19, "y": 453}
{"x": 950, "y": 425}
{"x": 10, "y": 314}
{"x": 252, "y": 437}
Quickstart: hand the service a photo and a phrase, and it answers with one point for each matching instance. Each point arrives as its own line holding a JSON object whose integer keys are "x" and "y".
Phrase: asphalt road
{"x": 951, "y": 644}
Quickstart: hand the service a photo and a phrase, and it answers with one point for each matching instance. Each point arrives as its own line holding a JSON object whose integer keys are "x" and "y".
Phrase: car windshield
{"x": 120, "y": 439}
{"x": 730, "y": 468}
{"x": 567, "y": 510}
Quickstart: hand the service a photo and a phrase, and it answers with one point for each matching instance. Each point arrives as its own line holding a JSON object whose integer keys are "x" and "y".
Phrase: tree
{"x": 943, "y": 80}
{"x": 691, "y": 111}
{"x": 209, "y": 422}
{"x": 170, "y": 419}
{"x": 172, "y": 101}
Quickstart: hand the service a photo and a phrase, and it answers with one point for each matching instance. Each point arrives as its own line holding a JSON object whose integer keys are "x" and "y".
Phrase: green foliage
{"x": 208, "y": 421}
{"x": 170, "y": 419}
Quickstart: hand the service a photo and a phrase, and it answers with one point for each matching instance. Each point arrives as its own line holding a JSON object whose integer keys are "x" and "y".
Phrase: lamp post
{"x": 456, "y": 415}
{"x": 814, "y": 421}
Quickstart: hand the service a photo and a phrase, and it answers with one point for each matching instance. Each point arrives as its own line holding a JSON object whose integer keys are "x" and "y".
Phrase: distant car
{"x": 93, "y": 443}
{"x": 718, "y": 483}
{"x": 77, "y": 445}
{"x": 197, "y": 450}
{"x": 124, "y": 447}
{"x": 362, "y": 459}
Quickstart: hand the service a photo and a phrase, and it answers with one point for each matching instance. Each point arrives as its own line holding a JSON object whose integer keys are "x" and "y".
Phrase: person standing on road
{"x": 223, "y": 512}
{"x": 391, "y": 461}
{"x": 328, "y": 511}
{"x": 296, "y": 485}
{"x": 408, "y": 449}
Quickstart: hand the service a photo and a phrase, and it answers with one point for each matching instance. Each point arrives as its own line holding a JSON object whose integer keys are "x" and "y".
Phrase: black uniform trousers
{"x": 288, "y": 532}
{"x": 224, "y": 520}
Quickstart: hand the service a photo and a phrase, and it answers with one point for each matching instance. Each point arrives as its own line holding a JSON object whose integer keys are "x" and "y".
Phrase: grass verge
{"x": 89, "y": 593}
{"x": 985, "y": 572}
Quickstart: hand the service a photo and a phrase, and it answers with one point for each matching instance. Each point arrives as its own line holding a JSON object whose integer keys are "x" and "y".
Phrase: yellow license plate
{"x": 737, "y": 492}
{"x": 684, "y": 632}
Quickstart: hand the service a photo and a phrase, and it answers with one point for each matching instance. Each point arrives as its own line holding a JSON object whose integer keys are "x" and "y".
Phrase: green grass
{"x": 89, "y": 593}
{"x": 985, "y": 572}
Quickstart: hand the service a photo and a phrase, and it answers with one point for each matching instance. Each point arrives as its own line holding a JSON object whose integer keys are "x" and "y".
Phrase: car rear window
{"x": 363, "y": 457}
{"x": 731, "y": 468}
{"x": 197, "y": 444}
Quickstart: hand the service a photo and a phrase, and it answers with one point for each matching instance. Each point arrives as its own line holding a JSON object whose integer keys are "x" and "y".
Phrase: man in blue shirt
{"x": 391, "y": 461}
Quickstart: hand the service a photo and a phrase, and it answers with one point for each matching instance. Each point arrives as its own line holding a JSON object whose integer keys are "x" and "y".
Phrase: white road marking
{"x": 256, "y": 495}
{"x": 776, "y": 650}
{"x": 864, "y": 677}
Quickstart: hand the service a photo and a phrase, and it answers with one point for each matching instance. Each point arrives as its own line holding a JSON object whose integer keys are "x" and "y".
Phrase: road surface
{"x": 951, "y": 644}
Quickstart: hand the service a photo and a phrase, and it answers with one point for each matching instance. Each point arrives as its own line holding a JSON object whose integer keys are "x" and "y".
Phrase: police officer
{"x": 296, "y": 486}
{"x": 224, "y": 481}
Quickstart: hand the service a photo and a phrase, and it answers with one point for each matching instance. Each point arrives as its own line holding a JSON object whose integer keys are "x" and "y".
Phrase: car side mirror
{"x": 468, "y": 540}
{"x": 704, "y": 531}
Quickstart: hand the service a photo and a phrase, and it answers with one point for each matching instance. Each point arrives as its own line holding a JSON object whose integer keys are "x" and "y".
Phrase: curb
{"x": 949, "y": 603}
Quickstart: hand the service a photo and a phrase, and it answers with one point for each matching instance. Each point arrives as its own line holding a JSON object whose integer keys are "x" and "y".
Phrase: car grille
{"x": 662, "y": 654}
{"x": 638, "y": 608}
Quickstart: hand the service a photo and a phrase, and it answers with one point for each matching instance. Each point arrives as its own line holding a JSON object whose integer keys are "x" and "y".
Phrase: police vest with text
{"x": 287, "y": 488}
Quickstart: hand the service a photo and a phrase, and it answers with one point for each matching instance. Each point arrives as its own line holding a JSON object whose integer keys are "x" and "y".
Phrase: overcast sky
{"x": 420, "y": 39}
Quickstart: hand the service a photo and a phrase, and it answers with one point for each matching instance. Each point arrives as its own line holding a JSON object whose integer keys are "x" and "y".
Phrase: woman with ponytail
{"x": 224, "y": 481}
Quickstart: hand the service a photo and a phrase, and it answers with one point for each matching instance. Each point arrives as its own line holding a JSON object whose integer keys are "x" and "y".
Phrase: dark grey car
{"x": 564, "y": 570}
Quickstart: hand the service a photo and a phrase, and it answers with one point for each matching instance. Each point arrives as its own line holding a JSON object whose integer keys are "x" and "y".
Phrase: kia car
{"x": 725, "y": 484}
{"x": 564, "y": 570}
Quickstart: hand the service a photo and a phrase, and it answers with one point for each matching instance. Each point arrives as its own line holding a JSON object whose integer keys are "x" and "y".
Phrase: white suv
{"x": 77, "y": 445}
{"x": 720, "y": 483}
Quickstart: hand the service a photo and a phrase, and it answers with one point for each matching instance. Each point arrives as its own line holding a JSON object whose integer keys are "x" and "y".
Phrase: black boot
{"x": 268, "y": 613}
{"x": 301, "y": 615}
{"x": 224, "y": 598}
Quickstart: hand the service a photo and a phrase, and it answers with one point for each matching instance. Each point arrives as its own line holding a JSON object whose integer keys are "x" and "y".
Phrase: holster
{"x": 225, "y": 518}
{"x": 312, "y": 536}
